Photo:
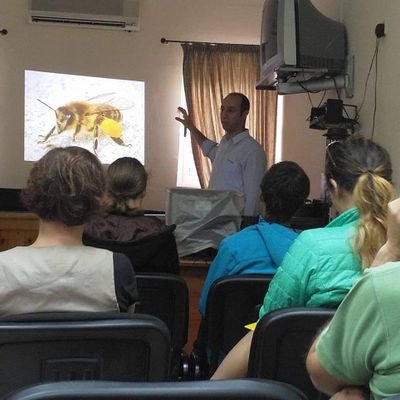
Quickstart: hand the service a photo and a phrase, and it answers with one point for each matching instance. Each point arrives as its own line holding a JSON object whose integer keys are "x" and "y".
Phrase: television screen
{"x": 105, "y": 116}
{"x": 298, "y": 44}
{"x": 269, "y": 32}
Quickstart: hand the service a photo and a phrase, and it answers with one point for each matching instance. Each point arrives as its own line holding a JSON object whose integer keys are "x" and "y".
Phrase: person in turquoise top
{"x": 366, "y": 325}
{"x": 260, "y": 248}
{"x": 329, "y": 248}
{"x": 323, "y": 264}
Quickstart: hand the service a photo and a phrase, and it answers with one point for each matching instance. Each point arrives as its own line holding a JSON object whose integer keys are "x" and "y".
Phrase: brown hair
{"x": 126, "y": 180}
{"x": 363, "y": 168}
{"x": 66, "y": 185}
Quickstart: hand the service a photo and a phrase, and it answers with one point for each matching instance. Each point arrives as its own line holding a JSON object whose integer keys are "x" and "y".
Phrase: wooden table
{"x": 17, "y": 229}
{"x": 194, "y": 272}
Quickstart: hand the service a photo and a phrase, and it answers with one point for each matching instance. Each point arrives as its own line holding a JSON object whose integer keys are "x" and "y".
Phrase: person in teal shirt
{"x": 297, "y": 285}
{"x": 323, "y": 264}
{"x": 260, "y": 248}
{"x": 366, "y": 326}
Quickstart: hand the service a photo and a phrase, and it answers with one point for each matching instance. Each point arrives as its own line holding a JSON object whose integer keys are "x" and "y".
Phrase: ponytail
{"x": 363, "y": 168}
{"x": 126, "y": 181}
{"x": 371, "y": 195}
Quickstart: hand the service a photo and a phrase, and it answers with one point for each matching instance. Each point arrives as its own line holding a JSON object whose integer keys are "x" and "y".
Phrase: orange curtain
{"x": 210, "y": 73}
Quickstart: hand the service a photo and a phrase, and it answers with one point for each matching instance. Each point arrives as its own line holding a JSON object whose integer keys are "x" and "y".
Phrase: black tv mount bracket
{"x": 324, "y": 82}
{"x": 334, "y": 116}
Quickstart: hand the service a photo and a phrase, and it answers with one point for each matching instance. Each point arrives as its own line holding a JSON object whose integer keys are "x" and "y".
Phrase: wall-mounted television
{"x": 300, "y": 46}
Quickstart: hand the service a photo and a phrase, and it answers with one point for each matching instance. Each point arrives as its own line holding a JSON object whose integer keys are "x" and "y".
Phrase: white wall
{"x": 361, "y": 17}
{"x": 114, "y": 54}
{"x": 140, "y": 56}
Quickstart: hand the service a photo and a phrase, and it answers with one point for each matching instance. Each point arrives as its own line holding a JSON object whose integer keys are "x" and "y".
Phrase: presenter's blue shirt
{"x": 258, "y": 249}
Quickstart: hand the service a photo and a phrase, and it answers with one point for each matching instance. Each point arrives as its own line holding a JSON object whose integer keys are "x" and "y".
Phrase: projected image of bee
{"x": 93, "y": 118}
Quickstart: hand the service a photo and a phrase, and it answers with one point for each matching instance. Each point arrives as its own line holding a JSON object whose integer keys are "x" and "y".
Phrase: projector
{"x": 330, "y": 116}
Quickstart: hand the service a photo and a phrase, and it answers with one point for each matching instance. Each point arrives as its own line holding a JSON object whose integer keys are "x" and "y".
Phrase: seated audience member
{"x": 125, "y": 220}
{"x": 259, "y": 249}
{"x": 322, "y": 264}
{"x": 361, "y": 345}
{"x": 57, "y": 272}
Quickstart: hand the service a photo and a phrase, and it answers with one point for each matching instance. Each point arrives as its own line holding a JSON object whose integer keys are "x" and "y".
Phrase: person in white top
{"x": 57, "y": 273}
{"x": 239, "y": 162}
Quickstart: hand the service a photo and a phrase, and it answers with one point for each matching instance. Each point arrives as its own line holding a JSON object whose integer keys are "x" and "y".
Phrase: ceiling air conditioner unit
{"x": 106, "y": 14}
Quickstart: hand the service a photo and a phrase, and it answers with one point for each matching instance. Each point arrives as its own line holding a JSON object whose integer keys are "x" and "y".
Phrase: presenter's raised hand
{"x": 184, "y": 119}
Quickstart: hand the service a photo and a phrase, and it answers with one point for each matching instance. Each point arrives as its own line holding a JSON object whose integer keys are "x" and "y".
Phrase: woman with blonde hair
{"x": 322, "y": 264}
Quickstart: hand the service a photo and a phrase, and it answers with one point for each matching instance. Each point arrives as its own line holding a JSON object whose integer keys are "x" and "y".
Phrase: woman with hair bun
{"x": 65, "y": 188}
{"x": 148, "y": 241}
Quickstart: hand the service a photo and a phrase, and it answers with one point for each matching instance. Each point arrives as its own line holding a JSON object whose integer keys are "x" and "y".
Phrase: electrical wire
{"x": 367, "y": 79}
{"x": 308, "y": 91}
{"x": 338, "y": 96}
{"x": 336, "y": 88}
{"x": 309, "y": 97}
{"x": 375, "y": 93}
{"x": 322, "y": 99}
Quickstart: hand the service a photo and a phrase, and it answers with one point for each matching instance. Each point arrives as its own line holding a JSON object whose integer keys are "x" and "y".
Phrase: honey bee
{"x": 94, "y": 118}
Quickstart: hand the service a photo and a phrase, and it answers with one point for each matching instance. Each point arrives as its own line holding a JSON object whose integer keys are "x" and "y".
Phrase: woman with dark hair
{"x": 65, "y": 189}
{"x": 322, "y": 264}
{"x": 148, "y": 241}
{"x": 124, "y": 219}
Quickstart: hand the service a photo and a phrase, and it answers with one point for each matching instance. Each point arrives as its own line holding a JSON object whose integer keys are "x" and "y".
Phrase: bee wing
{"x": 103, "y": 98}
{"x": 114, "y": 99}
{"x": 123, "y": 103}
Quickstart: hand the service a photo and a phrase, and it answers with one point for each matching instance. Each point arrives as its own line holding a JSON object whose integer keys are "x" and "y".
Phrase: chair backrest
{"x": 312, "y": 214}
{"x": 249, "y": 389}
{"x": 47, "y": 347}
{"x": 231, "y": 304}
{"x": 280, "y": 345}
{"x": 166, "y": 296}
{"x": 152, "y": 253}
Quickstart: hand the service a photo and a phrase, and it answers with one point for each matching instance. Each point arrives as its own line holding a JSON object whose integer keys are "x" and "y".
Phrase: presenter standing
{"x": 238, "y": 161}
